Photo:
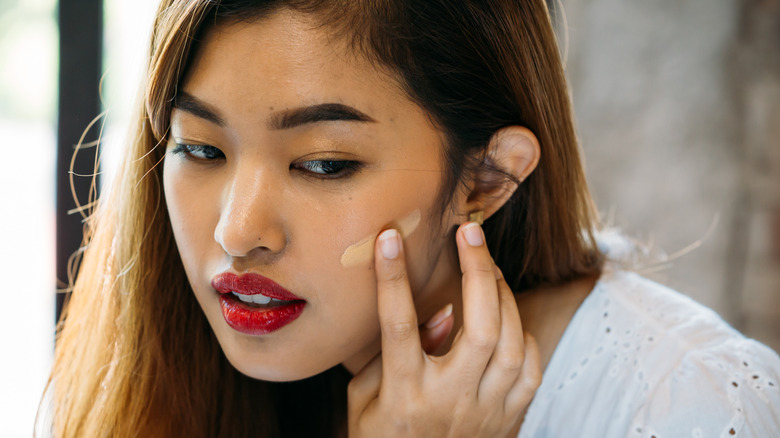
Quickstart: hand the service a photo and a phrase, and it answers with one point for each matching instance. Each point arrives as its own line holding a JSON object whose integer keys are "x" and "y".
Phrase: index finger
{"x": 402, "y": 353}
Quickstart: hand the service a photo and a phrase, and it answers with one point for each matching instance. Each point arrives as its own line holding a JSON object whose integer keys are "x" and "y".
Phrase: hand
{"x": 480, "y": 388}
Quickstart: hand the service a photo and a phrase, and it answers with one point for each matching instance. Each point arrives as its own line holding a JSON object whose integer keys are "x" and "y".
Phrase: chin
{"x": 274, "y": 370}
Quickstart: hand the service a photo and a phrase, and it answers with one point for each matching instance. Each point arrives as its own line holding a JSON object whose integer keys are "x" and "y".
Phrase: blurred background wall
{"x": 28, "y": 102}
{"x": 678, "y": 109}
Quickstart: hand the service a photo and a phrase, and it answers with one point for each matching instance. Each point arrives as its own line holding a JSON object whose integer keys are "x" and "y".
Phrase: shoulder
{"x": 704, "y": 377}
{"x": 639, "y": 359}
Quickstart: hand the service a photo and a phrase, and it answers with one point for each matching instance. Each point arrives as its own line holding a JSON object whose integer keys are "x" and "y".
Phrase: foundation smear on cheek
{"x": 362, "y": 252}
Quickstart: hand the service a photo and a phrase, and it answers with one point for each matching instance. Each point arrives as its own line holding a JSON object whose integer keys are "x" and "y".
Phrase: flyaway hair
{"x": 135, "y": 356}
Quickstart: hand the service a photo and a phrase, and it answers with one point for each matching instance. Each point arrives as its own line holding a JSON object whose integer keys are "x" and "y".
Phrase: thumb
{"x": 436, "y": 330}
{"x": 364, "y": 386}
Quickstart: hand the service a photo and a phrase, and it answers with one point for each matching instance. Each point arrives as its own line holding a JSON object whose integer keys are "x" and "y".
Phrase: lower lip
{"x": 258, "y": 321}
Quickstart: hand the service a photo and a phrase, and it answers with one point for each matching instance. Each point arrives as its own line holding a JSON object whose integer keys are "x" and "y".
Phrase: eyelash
{"x": 190, "y": 150}
{"x": 322, "y": 169}
{"x": 329, "y": 169}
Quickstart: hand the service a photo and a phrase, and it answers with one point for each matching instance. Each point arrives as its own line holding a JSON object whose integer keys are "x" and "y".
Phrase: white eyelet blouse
{"x": 641, "y": 360}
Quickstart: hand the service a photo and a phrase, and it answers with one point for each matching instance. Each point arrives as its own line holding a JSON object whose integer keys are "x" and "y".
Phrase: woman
{"x": 307, "y": 185}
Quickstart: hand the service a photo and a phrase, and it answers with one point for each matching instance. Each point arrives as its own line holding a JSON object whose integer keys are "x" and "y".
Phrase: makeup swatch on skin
{"x": 363, "y": 251}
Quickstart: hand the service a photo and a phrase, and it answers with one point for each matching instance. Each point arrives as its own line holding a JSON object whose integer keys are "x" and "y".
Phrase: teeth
{"x": 260, "y": 299}
{"x": 257, "y": 298}
{"x": 244, "y": 298}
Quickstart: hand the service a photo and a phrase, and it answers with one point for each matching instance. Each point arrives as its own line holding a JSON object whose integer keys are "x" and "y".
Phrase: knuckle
{"x": 405, "y": 410}
{"x": 484, "y": 339}
{"x": 482, "y": 266}
{"x": 529, "y": 383}
{"x": 511, "y": 362}
{"x": 394, "y": 275}
{"x": 399, "y": 331}
{"x": 535, "y": 379}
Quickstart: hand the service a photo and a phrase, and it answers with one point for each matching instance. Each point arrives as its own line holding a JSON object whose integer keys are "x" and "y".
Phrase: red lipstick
{"x": 248, "y": 318}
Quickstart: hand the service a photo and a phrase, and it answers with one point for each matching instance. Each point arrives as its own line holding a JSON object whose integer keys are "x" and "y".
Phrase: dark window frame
{"x": 80, "y": 70}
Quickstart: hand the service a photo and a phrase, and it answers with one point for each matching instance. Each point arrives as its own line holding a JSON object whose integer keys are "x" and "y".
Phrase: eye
{"x": 198, "y": 151}
{"x": 328, "y": 168}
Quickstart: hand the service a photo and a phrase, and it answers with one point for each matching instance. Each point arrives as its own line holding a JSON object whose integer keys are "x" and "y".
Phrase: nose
{"x": 249, "y": 223}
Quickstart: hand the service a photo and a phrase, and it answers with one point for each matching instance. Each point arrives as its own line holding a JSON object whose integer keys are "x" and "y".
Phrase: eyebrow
{"x": 196, "y": 107}
{"x": 324, "y": 112}
{"x": 286, "y": 119}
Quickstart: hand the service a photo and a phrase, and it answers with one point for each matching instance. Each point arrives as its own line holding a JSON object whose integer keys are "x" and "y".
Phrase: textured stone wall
{"x": 678, "y": 110}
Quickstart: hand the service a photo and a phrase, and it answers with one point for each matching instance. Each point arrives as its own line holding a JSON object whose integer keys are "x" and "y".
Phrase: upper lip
{"x": 251, "y": 284}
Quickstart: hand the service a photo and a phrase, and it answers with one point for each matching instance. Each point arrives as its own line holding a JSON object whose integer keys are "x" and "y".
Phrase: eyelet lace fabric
{"x": 641, "y": 360}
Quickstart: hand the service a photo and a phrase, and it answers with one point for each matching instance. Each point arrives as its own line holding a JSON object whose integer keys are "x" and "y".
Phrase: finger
{"x": 523, "y": 390}
{"x": 481, "y": 315}
{"x": 365, "y": 385}
{"x": 434, "y": 333}
{"x": 508, "y": 358}
{"x": 402, "y": 354}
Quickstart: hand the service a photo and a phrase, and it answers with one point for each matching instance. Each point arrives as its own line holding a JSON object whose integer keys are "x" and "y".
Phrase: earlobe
{"x": 513, "y": 150}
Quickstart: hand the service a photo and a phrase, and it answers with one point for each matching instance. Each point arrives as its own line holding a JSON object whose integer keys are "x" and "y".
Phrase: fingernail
{"x": 473, "y": 234}
{"x": 439, "y": 317}
{"x": 389, "y": 244}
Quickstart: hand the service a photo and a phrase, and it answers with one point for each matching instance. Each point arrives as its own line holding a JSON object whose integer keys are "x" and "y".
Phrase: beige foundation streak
{"x": 363, "y": 251}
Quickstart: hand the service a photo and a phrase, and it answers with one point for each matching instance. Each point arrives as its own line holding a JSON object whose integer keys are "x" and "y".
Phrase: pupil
{"x": 331, "y": 166}
{"x": 210, "y": 152}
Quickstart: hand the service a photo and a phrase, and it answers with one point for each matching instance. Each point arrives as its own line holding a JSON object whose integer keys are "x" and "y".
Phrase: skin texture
{"x": 480, "y": 387}
{"x": 252, "y": 212}
{"x": 246, "y": 196}
{"x": 362, "y": 252}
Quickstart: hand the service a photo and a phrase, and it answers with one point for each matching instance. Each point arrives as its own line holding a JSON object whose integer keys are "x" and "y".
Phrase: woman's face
{"x": 285, "y": 149}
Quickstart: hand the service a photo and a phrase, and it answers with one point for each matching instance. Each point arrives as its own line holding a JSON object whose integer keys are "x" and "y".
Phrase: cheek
{"x": 355, "y": 286}
{"x": 422, "y": 253}
{"x": 189, "y": 215}
{"x": 176, "y": 202}
{"x": 349, "y": 292}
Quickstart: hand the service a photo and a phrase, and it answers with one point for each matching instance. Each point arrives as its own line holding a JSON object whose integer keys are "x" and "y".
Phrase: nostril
{"x": 247, "y": 225}
{"x": 260, "y": 239}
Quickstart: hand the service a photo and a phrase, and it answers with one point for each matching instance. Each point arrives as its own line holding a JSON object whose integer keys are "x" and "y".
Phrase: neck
{"x": 546, "y": 312}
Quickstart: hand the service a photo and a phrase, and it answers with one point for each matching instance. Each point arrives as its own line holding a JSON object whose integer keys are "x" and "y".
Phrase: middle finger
{"x": 508, "y": 358}
{"x": 481, "y": 317}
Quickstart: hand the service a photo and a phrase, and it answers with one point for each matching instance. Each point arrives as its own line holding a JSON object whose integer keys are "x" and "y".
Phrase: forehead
{"x": 286, "y": 59}
{"x": 249, "y": 72}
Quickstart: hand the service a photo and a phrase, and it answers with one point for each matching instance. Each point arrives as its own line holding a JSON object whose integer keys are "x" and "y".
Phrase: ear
{"x": 514, "y": 150}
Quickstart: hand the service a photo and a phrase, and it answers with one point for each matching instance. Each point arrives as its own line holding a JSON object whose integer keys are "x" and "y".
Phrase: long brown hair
{"x": 135, "y": 355}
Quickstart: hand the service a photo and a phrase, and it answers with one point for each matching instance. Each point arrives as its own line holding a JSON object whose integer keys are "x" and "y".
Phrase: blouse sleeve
{"x": 726, "y": 390}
